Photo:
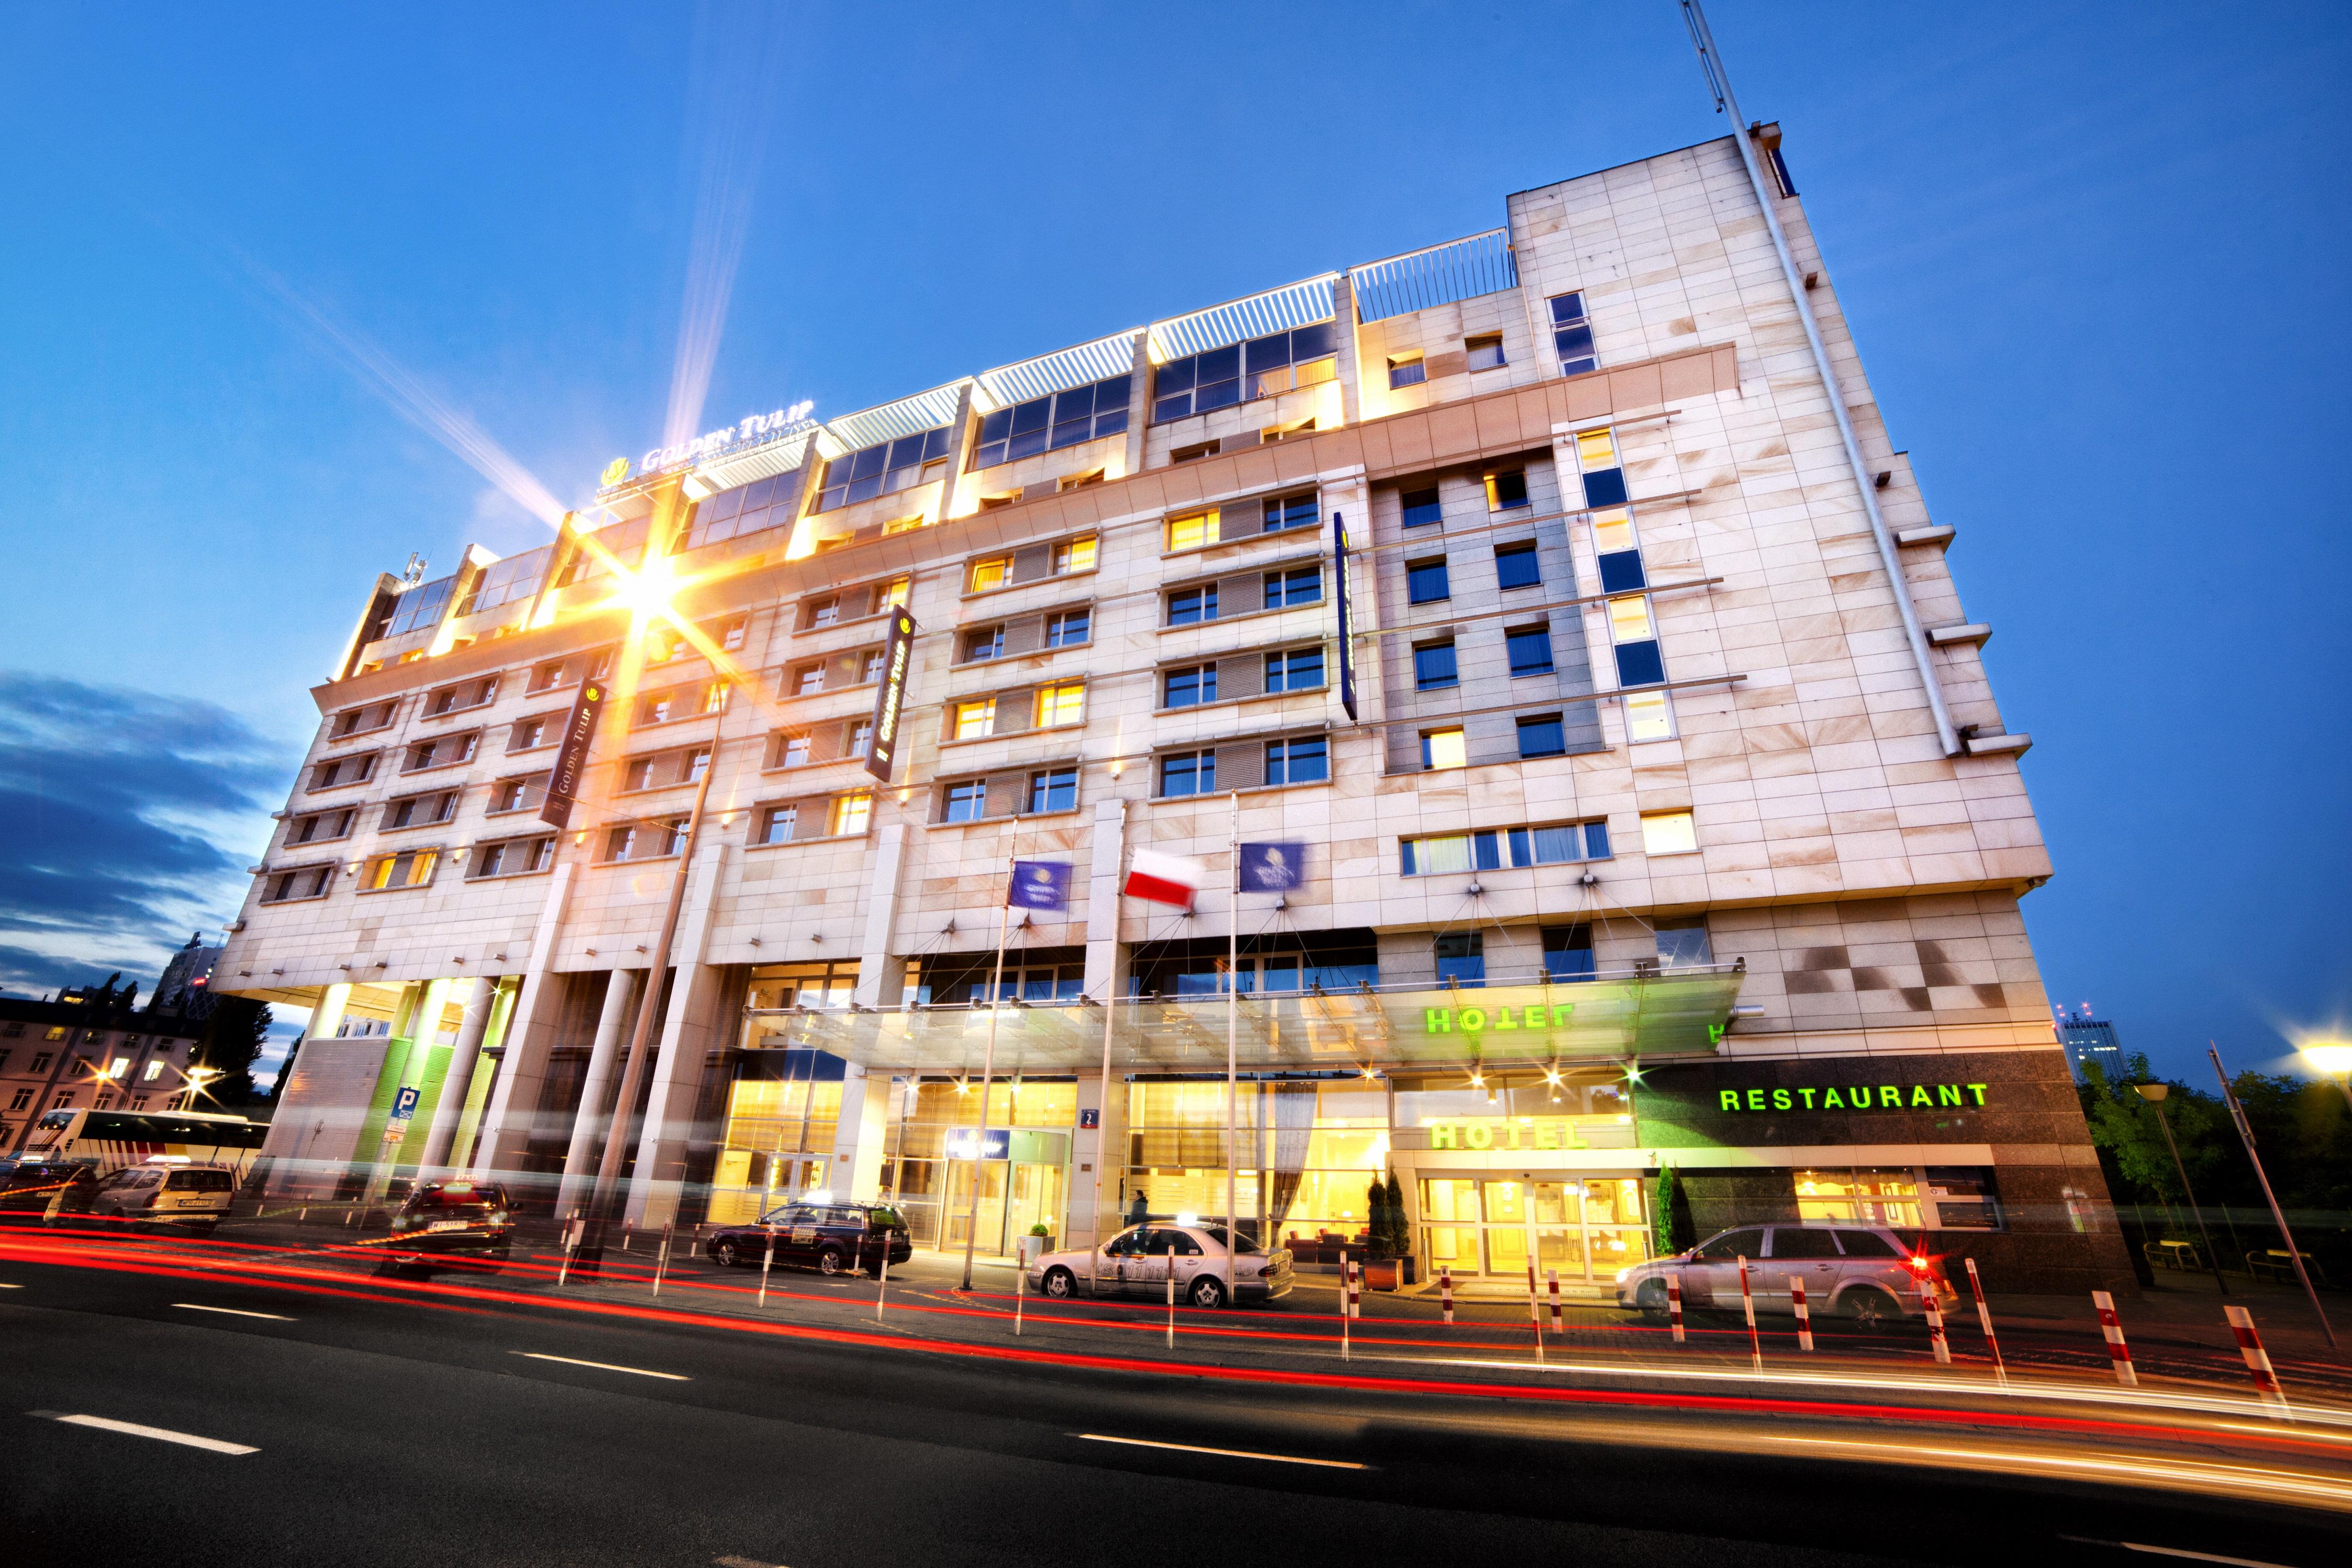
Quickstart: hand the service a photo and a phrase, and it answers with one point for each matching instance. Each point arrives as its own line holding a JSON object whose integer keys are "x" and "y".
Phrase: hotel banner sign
{"x": 571, "y": 757}
{"x": 1855, "y": 1097}
{"x": 1542, "y": 1132}
{"x": 889, "y": 703}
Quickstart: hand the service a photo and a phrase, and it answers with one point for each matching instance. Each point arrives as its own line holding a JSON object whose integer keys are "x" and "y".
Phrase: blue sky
{"x": 2096, "y": 261}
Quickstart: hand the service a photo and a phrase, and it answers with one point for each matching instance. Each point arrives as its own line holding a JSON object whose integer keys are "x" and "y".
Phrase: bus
{"x": 110, "y": 1140}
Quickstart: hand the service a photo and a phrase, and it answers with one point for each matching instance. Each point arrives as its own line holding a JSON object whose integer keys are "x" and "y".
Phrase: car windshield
{"x": 199, "y": 1181}
{"x": 1216, "y": 1233}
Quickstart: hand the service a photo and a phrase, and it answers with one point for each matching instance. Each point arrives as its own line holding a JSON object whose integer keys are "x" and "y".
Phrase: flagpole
{"x": 1102, "y": 1115}
{"x": 1233, "y": 1034}
{"x": 987, "y": 1072}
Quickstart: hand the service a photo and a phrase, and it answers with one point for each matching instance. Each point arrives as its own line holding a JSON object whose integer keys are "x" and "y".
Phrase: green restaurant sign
{"x": 1854, "y": 1097}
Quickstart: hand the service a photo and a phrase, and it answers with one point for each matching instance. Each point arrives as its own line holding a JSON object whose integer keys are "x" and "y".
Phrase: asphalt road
{"x": 429, "y": 1428}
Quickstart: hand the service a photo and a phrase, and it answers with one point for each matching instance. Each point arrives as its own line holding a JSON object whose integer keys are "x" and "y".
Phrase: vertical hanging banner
{"x": 1339, "y": 597}
{"x": 571, "y": 757}
{"x": 882, "y": 752}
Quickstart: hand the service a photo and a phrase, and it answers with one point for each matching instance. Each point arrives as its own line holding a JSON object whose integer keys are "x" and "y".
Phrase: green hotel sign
{"x": 1854, "y": 1097}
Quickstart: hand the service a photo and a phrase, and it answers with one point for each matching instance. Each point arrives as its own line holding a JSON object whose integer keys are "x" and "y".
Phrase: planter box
{"x": 1394, "y": 1274}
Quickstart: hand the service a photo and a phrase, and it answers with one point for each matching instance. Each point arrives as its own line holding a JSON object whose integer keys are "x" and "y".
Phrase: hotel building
{"x": 1656, "y": 809}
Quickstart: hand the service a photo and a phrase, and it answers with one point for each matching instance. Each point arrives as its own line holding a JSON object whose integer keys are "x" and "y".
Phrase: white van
{"x": 166, "y": 1190}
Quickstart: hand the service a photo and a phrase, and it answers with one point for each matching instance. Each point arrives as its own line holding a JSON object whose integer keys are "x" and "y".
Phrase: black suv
{"x": 468, "y": 1220}
{"x": 30, "y": 1187}
{"x": 833, "y": 1238}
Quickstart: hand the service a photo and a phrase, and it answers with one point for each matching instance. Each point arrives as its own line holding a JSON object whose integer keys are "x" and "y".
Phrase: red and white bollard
{"x": 767, "y": 1262}
{"x": 1748, "y": 1303}
{"x": 2258, "y": 1360}
{"x": 1984, "y": 1317}
{"x": 1674, "y": 1304}
{"x": 1935, "y": 1311}
{"x": 1558, "y": 1322}
{"x": 1343, "y": 1306}
{"x": 1355, "y": 1290}
{"x": 1535, "y": 1312}
{"x": 1804, "y": 1316}
{"x": 2117, "y": 1350}
{"x": 571, "y": 1230}
{"x": 1445, "y": 1292}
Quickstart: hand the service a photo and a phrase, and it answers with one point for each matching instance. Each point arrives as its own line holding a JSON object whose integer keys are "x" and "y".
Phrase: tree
{"x": 1399, "y": 1228}
{"x": 232, "y": 1041}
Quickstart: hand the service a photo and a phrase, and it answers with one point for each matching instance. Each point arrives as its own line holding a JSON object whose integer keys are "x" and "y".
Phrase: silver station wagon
{"x": 1866, "y": 1273}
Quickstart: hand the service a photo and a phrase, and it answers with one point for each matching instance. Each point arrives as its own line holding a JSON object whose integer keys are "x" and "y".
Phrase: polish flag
{"x": 1164, "y": 879}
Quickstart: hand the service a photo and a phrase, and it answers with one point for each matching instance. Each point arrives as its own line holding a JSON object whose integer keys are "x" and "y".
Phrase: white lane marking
{"x": 603, "y": 1366}
{"x": 744, "y": 1563}
{"x": 161, "y": 1434}
{"x": 231, "y": 1312}
{"x": 1221, "y": 1453}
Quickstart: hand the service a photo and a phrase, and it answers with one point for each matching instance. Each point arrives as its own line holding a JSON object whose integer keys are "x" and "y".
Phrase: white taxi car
{"x": 1141, "y": 1260}
{"x": 167, "y": 1190}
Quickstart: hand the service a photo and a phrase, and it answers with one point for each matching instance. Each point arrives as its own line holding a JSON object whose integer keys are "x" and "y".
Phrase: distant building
{"x": 89, "y": 1048}
{"x": 183, "y": 987}
{"x": 2089, "y": 1040}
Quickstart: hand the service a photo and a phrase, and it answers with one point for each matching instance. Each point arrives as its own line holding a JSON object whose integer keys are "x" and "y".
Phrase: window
{"x": 154, "y": 1071}
{"x": 776, "y": 824}
{"x": 1683, "y": 943}
{"x": 883, "y": 467}
{"x": 869, "y": 666}
{"x": 1965, "y": 1198}
{"x": 1192, "y": 530}
{"x": 1541, "y": 735}
{"x": 1188, "y": 773}
{"x": 975, "y": 718}
{"x": 1299, "y": 670}
{"x": 514, "y": 857}
{"x": 1638, "y": 659}
{"x": 322, "y": 827}
{"x": 1064, "y": 419}
{"x": 1461, "y": 958}
{"x": 851, "y": 813}
{"x": 1668, "y": 833}
{"x": 1572, "y": 334}
{"x": 309, "y": 881}
{"x": 446, "y": 752}
{"x": 529, "y": 733}
{"x": 1306, "y": 760}
{"x": 793, "y": 750}
{"x": 1198, "y": 450}
{"x": 698, "y": 762}
{"x": 1188, "y": 688}
{"x": 1443, "y": 748}
{"x": 730, "y": 633}
{"x": 1406, "y": 371}
{"x": 1649, "y": 716}
{"x": 1290, "y": 512}
{"x": 1502, "y": 849}
{"x": 824, "y": 612}
{"x": 1858, "y": 1197}
{"x": 1425, "y": 582}
{"x": 344, "y": 770}
{"x": 656, "y": 708}
{"x": 1434, "y": 667}
{"x": 375, "y": 716}
{"x": 1605, "y": 478}
{"x": 908, "y": 524}
{"x": 1074, "y": 555}
{"x": 993, "y": 572}
{"x": 412, "y": 869}
{"x": 1506, "y": 490}
{"x": 419, "y": 608}
{"x": 1054, "y": 789}
{"x": 891, "y": 594}
{"x": 1567, "y": 953}
{"x": 769, "y": 503}
{"x": 1189, "y": 606}
{"x": 1068, "y": 628}
{"x": 1617, "y": 555}
{"x": 965, "y": 802}
{"x": 1486, "y": 353}
{"x": 1062, "y": 704}
{"x": 421, "y": 811}
{"x": 986, "y": 643}
{"x": 808, "y": 680}
{"x": 546, "y": 676}
{"x": 23, "y": 1098}
{"x": 1530, "y": 650}
{"x": 861, "y": 737}
{"x": 1263, "y": 367}
{"x": 1297, "y": 585}
{"x": 1422, "y": 507}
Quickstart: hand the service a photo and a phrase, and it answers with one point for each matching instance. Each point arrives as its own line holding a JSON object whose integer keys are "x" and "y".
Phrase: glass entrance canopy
{"x": 1681, "y": 1010}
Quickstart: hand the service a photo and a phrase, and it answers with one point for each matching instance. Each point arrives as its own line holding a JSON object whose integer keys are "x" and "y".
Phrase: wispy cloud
{"x": 126, "y": 820}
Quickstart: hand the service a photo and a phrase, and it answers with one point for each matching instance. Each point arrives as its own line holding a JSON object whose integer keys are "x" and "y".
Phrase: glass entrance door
{"x": 959, "y": 1216}
{"x": 1036, "y": 1200}
{"x": 1585, "y": 1228}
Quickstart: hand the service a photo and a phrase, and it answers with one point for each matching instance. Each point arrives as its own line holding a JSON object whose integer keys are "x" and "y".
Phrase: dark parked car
{"x": 468, "y": 1222}
{"x": 32, "y": 1187}
{"x": 833, "y": 1238}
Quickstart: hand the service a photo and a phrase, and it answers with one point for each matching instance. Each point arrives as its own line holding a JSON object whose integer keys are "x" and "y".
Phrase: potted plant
{"x": 1037, "y": 1244}
{"x": 1390, "y": 1263}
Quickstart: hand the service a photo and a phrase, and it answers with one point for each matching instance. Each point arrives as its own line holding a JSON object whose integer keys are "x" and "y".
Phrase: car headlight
{"x": 1623, "y": 1275}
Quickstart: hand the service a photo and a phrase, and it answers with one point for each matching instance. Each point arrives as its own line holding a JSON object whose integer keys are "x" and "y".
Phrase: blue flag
{"x": 1040, "y": 884}
{"x": 1273, "y": 868}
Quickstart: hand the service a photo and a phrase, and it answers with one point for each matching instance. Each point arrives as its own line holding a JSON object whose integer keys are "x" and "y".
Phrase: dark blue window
{"x": 1422, "y": 507}
{"x": 1217, "y": 378}
{"x": 1188, "y": 605}
{"x": 1639, "y": 665}
{"x": 1506, "y": 490}
{"x": 1290, "y": 512}
{"x": 1192, "y": 685}
{"x": 1620, "y": 572}
{"x": 1299, "y": 585}
{"x": 1433, "y": 668}
{"x": 884, "y": 466}
{"x": 1605, "y": 487}
{"x": 1068, "y": 628}
{"x": 967, "y": 801}
{"x": 1486, "y": 849}
{"x": 1304, "y": 761}
{"x": 1300, "y": 669}
{"x": 1081, "y": 413}
{"x": 1530, "y": 651}
{"x": 1516, "y": 567}
{"x": 1461, "y": 958}
{"x": 1596, "y": 840}
{"x": 1542, "y": 736}
{"x": 1568, "y": 952}
{"x": 1188, "y": 773}
{"x": 1425, "y": 582}
{"x": 1572, "y": 334}
{"x": 1054, "y": 789}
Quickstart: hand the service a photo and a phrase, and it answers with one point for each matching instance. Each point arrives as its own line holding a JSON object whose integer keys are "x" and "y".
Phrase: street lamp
{"x": 2332, "y": 1059}
{"x": 2154, "y": 1094}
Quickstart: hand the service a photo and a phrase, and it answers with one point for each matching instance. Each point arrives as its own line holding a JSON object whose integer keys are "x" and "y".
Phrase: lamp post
{"x": 2278, "y": 1216}
{"x": 2154, "y": 1094}
{"x": 2332, "y": 1059}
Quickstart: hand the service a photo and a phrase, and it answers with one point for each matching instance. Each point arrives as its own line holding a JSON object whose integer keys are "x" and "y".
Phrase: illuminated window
{"x": 714, "y": 696}
{"x": 991, "y": 573}
{"x": 1889, "y": 1198}
{"x": 1639, "y": 662}
{"x": 851, "y": 813}
{"x": 1595, "y": 449}
{"x": 1442, "y": 748}
{"x": 154, "y": 1071}
{"x": 1649, "y": 716}
{"x": 1629, "y": 619}
{"x": 1063, "y": 703}
{"x": 1500, "y": 849}
{"x": 414, "y": 869}
{"x": 1572, "y": 334}
{"x": 1604, "y": 475}
{"x": 1618, "y": 553}
{"x": 1075, "y": 555}
{"x": 1192, "y": 530}
{"x": 906, "y": 525}
{"x": 975, "y": 718}
{"x": 1669, "y": 833}
{"x": 1048, "y": 423}
{"x": 1406, "y": 371}
{"x": 892, "y": 593}
{"x": 1506, "y": 490}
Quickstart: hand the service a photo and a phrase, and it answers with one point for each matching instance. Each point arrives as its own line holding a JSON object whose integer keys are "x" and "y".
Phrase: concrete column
{"x": 1138, "y": 402}
{"x": 620, "y": 993}
{"x": 959, "y": 450}
{"x": 1096, "y": 1152}
{"x": 328, "y": 1016}
{"x": 470, "y": 1114}
{"x": 473, "y": 1023}
{"x": 1350, "y": 361}
{"x": 859, "y": 1136}
{"x": 882, "y": 975}
{"x": 1106, "y": 967}
{"x": 530, "y": 1034}
{"x": 695, "y": 1023}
